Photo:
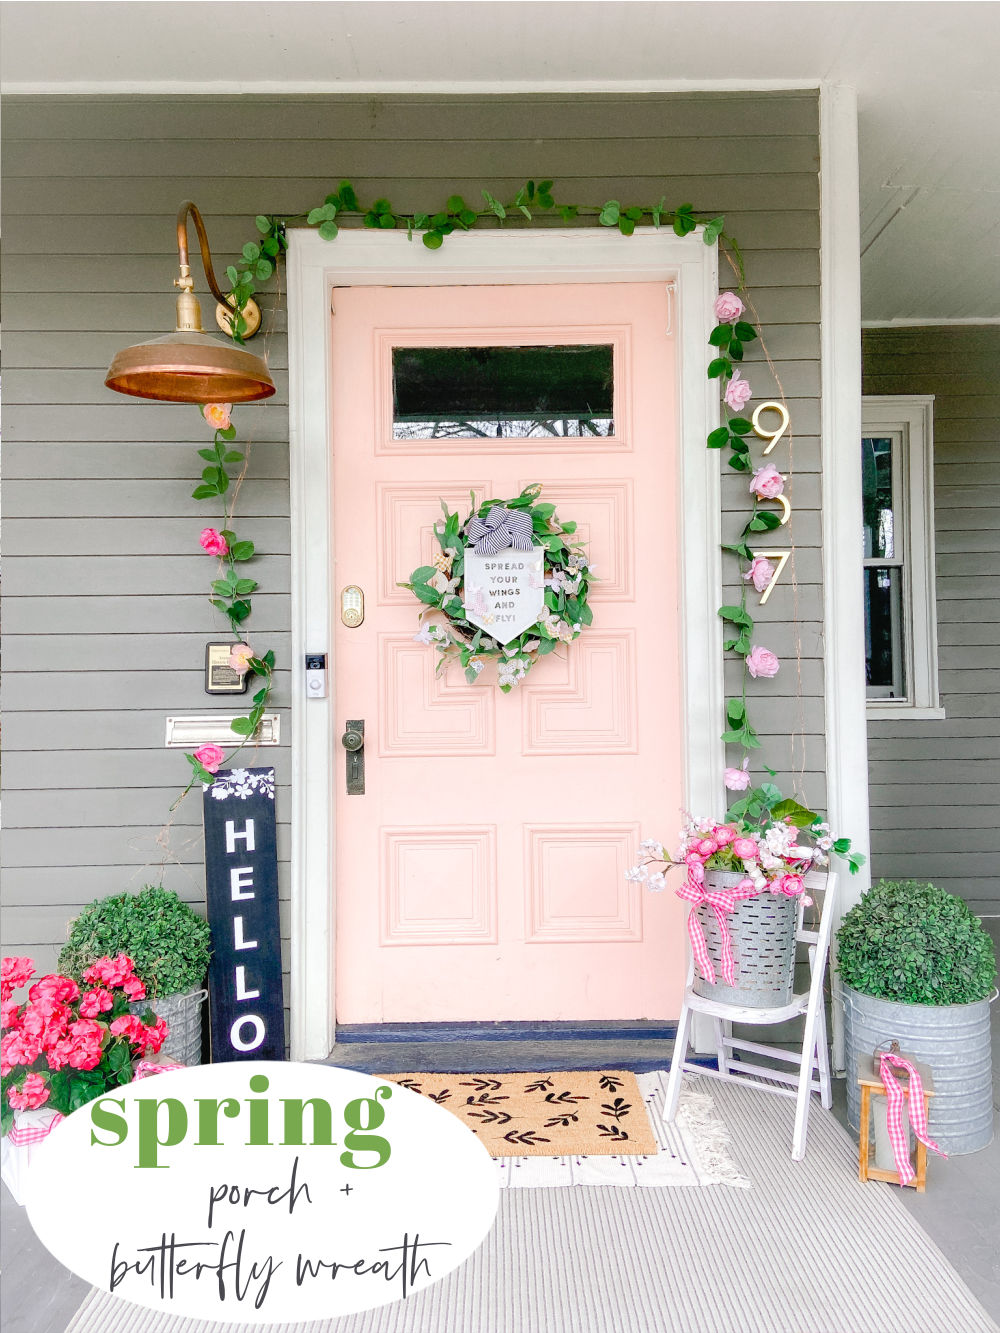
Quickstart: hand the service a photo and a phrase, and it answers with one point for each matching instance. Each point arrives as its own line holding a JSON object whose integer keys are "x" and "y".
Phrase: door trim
{"x": 364, "y": 258}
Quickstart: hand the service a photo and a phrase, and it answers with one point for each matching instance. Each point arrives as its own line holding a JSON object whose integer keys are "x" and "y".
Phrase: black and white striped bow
{"x": 502, "y": 527}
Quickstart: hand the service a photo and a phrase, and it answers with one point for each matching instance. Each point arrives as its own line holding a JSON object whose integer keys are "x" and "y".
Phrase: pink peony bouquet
{"x": 770, "y": 841}
{"x": 66, "y": 1045}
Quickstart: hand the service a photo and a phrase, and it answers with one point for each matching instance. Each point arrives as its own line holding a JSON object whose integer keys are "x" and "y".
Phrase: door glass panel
{"x": 884, "y": 632}
{"x": 502, "y": 392}
{"x": 878, "y": 499}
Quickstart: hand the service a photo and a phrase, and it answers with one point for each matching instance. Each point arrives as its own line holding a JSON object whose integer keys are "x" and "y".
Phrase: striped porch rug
{"x": 807, "y": 1249}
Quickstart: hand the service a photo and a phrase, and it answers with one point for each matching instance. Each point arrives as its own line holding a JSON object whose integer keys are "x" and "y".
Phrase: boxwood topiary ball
{"x": 169, "y": 943}
{"x": 916, "y": 944}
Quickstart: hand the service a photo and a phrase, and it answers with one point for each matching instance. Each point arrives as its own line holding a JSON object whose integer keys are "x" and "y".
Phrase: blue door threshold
{"x": 495, "y": 1048}
{"x": 611, "y": 1029}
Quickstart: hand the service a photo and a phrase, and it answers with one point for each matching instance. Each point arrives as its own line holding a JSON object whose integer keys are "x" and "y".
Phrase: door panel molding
{"x": 315, "y": 269}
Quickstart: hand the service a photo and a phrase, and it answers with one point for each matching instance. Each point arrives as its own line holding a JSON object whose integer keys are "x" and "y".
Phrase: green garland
{"x": 257, "y": 264}
{"x": 439, "y": 588}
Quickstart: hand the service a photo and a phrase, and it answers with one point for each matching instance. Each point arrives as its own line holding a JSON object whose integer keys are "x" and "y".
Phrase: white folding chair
{"x": 813, "y": 1060}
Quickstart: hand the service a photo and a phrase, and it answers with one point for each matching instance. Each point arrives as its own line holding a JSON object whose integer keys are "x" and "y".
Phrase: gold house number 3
{"x": 773, "y": 436}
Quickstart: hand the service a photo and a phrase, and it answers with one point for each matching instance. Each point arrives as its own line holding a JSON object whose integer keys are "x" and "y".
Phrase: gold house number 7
{"x": 782, "y": 555}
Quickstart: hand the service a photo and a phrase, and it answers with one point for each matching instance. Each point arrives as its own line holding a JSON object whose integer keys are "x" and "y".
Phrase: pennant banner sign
{"x": 241, "y": 881}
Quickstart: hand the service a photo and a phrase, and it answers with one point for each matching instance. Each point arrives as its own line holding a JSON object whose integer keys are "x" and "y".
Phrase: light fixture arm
{"x": 186, "y": 210}
{"x": 188, "y": 307}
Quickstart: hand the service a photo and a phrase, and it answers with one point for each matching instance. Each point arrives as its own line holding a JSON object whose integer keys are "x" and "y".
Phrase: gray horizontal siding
{"x": 107, "y": 611}
{"x": 935, "y": 785}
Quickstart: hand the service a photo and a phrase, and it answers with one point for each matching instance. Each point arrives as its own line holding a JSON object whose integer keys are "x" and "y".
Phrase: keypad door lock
{"x": 353, "y": 741}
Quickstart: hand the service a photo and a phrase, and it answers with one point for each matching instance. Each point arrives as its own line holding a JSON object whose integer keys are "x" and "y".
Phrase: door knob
{"x": 353, "y": 741}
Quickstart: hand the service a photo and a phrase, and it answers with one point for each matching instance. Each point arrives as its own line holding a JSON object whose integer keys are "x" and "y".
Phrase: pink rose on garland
{"x": 762, "y": 662}
{"x": 728, "y": 307}
{"x": 767, "y": 483}
{"x": 239, "y": 658}
{"x": 210, "y": 757}
{"x": 213, "y": 542}
{"x": 738, "y": 392}
{"x": 760, "y": 573}
{"x": 738, "y": 779}
{"x": 217, "y": 415}
{"x": 745, "y": 849}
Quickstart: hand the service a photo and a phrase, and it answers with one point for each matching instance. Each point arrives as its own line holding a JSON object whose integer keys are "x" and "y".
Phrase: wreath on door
{"x": 494, "y": 569}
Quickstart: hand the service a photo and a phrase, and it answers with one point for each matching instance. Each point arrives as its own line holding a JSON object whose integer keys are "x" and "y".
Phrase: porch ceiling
{"x": 929, "y": 97}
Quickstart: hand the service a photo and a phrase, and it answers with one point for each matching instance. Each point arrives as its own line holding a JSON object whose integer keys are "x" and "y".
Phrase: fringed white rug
{"x": 694, "y": 1150}
{"x": 809, "y": 1249}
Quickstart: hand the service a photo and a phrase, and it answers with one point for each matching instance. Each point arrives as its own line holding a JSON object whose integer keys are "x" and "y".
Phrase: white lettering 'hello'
{"x": 232, "y": 836}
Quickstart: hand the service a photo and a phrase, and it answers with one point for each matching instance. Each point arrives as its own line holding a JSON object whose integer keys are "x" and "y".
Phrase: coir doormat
{"x": 586, "y": 1112}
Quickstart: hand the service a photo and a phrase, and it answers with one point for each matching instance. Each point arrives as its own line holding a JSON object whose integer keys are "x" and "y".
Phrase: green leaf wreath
{"x": 439, "y": 586}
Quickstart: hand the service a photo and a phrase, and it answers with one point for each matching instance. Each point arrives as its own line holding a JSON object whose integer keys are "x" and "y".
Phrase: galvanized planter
{"x": 762, "y": 930}
{"x": 182, "y": 1014}
{"x": 953, "y": 1039}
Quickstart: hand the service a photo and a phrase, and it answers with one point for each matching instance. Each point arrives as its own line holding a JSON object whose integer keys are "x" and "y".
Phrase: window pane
{"x": 884, "y": 633}
{"x": 502, "y": 392}
{"x": 878, "y": 499}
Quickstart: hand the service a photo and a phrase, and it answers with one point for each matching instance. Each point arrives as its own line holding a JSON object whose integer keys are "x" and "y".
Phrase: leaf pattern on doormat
{"x": 552, "y": 1115}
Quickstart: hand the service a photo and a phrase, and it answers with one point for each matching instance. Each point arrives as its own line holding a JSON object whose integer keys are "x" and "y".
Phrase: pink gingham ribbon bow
{"x": 722, "y": 902}
{"x": 894, "y": 1114}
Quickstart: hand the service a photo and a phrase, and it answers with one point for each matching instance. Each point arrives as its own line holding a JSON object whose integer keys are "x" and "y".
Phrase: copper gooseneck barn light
{"x": 189, "y": 365}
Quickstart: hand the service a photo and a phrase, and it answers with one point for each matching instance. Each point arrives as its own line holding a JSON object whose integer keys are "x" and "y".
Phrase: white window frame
{"x": 910, "y": 419}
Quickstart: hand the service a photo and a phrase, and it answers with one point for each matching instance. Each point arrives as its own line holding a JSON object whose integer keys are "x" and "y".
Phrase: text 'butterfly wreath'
{"x": 508, "y": 583}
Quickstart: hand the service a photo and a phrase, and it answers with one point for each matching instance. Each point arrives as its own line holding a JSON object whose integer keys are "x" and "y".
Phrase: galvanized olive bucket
{"x": 953, "y": 1039}
{"x": 762, "y": 931}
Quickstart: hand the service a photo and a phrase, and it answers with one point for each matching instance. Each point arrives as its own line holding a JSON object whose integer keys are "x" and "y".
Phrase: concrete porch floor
{"x": 958, "y": 1212}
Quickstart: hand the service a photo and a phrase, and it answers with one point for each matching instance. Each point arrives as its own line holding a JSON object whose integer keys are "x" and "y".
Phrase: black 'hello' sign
{"x": 241, "y": 880}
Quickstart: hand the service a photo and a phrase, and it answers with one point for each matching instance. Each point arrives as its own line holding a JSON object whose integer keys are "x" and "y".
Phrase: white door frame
{"x": 366, "y": 258}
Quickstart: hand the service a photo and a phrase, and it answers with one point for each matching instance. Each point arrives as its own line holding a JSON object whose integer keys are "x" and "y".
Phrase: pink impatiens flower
{"x": 762, "y": 662}
{"x": 213, "y": 542}
{"x": 210, "y": 757}
{"x": 767, "y": 483}
{"x": 217, "y": 415}
{"x": 728, "y": 307}
{"x": 738, "y": 779}
{"x": 760, "y": 573}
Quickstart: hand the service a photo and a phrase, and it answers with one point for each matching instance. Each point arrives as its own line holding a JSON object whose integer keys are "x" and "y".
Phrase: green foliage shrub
{"x": 169, "y": 944}
{"x": 917, "y": 944}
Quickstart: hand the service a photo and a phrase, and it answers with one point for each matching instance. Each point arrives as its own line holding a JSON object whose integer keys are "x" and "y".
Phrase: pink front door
{"x": 482, "y": 873}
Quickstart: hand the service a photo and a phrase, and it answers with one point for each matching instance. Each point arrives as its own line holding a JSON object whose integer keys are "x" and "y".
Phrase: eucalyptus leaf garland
{"x": 531, "y": 203}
